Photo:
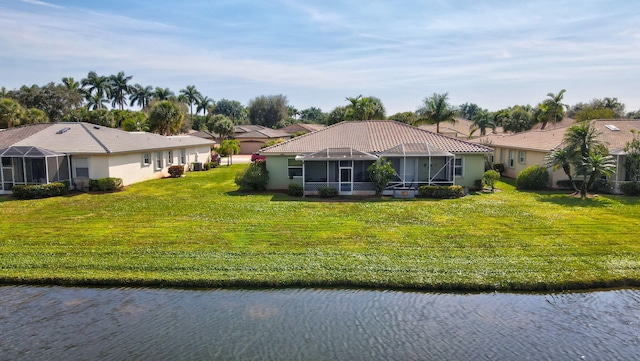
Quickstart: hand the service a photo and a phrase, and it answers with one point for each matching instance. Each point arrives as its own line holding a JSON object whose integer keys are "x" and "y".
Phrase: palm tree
{"x": 162, "y": 94}
{"x": 229, "y": 147}
{"x": 141, "y": 95}
{"x": 364, "y": 108}
{"x": 204, "y": 103}
{"x": 481, "y": 121}
{"x": 561, "y": 158}
{"x": 190, "y": 96}
{"x": 165, "y": 118}
{"x": 95, "y": 101}
{"x": 593, "y": 166}
{"x": 435, "y": 110}
{"x": 119, "y": 88}
{"x": 71, "y": 83}
{"x": 95, "y": 87}
{"x": 587, "y": 153}
{"x": 552, "y": 109}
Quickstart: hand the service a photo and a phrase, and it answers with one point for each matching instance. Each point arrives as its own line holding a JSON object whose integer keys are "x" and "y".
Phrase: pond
{"x": 58, "y": 323}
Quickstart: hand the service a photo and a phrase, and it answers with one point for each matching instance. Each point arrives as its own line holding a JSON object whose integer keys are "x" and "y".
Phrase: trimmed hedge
{"x": 295, "y": 190}
{"x": 105, "y": 184}
{"x": 440, "y": 192}
{"x": 630, "y": 188}
{"x": 176, "y": 171}
{"x": 36, "y": 191}
{"x": 533, "y": 178}
{"x": 327, "y": 192}
{"x": 256, "y": 177}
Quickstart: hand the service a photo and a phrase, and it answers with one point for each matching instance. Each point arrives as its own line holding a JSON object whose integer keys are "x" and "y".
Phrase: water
{"x": 57, "y": 323}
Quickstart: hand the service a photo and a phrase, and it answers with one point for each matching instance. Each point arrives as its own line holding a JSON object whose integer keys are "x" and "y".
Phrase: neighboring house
{"x": 461, "y": 129}
{"x": 302, "y": 128}
{"x": 205, "y": 134}
{"x": 522, "y": 150}
{"x": 253, "y": 137}
{"x": 76, "y": 152}
{"x": 338, "y": 156}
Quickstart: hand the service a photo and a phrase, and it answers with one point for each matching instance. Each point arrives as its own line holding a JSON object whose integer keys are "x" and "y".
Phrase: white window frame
{"x": 292, "y": 167}
{"x": 459, "y": 167}
{"x": 512, "y": 158}
{"x": 146, "y": 159}
{"x": 521, "y": 156}
{"x": 170, "y": 157}
{"x": 76, "y": 166}
{"x": 183, "y": 156}
{"x": 159, "y": 160}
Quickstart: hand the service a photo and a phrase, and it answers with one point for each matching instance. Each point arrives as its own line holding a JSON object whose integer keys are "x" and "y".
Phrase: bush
{"x": 176, "y": 171}
{"x": 105, "y": 184}
{"x": 533, "y": 178}
{"x": 478, "y": 184}
{"x": 499, "y": 167}
{"x": 212, "y": 165}
{"x": 490, "y": 177}
{"x": 36, "y": 191}
{"x": 440, "y": 192}
{"x": 630, "y": 188}
{"x": 256, "y": 177}
{"x": 295, "y": 190}
{"x": 327, "y": 192}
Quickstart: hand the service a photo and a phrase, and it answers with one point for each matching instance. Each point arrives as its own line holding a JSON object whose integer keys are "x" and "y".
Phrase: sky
{"x": 493, "y": 53}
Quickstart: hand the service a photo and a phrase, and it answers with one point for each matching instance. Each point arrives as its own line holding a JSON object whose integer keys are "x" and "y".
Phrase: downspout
{"x": 46, "y": 169}
{"x": 303, "y": 178}
{"x": 69, "y": 166}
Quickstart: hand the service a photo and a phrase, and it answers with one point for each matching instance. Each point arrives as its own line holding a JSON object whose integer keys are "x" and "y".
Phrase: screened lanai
{"x": 418, "y": 164}
{"x": 32, "y": 165}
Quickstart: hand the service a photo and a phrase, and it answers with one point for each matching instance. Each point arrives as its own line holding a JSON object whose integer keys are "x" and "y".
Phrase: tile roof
{"x": 373, "y": 136}
{"x": 461, "y": 128}
{"x": 302, "y": 127}
{"x": 265, "y": 133}
{"x": 85, "y": 138}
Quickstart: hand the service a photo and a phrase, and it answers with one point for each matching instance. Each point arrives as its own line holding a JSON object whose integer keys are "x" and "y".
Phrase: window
{"x": 159, "y": 160}
{"x": 294, "y": 168}
{"x": 183, "y": 156}
{"x": 170, "y": 157}
{"x": 82, "y": 167}
{"x": 521, "y": 157}
{"x": 512, "y": 155}
{"x": 458, "y": 167}
{"x": 146, "y": 158}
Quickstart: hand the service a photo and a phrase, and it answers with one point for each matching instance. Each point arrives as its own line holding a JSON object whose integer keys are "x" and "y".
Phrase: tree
{"x": 162, "y": 93}
{"x": 165, "y": 118}
{"x": 404, "y": 117}
{"x": 561, "y": 158}
{"x": 312, "y": 115}
{"x": 141, "y": 96}
{"x": 593, "y": 166}
{"x": 223, "y": 126}
{"x": 586, "y": 153}
{"x": 232, "y": 109}
{"x": 632, "y": 164}
{"x": 11, "y": 113}
{"x": 435, "y": 110}
{"x": 229, "y": 147}
{"x": 190, "y": 94}
{"x": 481, "y": 121}
{"x": 552, "y": 109}
{"x": 95, "y": 86}
{"x": 337, "y": 115}
{"x": 292, "y": 112}
{"x": 589, "y": 113}
{"x": 381, "y": 173}
{"x": 56, "y": 100}
{"x": 268, "y": 110}
{"x": 519, "y": 119}
{"x": 35, "y": 116}
{"x": 468, "y": 110}
{"x": 71, "y": 83}
{"x": 490, "y": 177}
{"x": 364, "y": 108}
{"x": 119, "y": 89}
{"x": 95, "y": 102}
{"x": 204, "y": 103}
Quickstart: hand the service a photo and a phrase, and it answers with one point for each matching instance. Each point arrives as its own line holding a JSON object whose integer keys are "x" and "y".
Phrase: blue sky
{"x": 493, "y": 53}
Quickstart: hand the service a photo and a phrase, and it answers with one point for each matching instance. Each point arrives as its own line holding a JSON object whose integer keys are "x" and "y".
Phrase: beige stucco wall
{"x": 532, "y": 157}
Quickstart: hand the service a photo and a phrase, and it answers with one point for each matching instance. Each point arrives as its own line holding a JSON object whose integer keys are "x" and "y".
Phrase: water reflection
{"x": 160, "y": 324}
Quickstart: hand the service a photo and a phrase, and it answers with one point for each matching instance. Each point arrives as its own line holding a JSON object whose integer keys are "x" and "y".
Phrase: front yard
{"x": 199, "y": 231}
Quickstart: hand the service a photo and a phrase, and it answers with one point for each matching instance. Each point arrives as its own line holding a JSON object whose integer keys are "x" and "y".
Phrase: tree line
{"x": 102, "y": 99}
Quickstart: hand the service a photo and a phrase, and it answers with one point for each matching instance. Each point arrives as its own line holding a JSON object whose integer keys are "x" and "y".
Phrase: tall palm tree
{"x": 204, "y": 103}
{"x": 552, "y": 109}
{"x": 190, "y": 95}
{"x": 140, "y": 95}
{"x": 95, "y": 87}
{"x": 561, "y": 158}
{"x": 71, "y": 83}
{"x": 481, "y": 121}
{"x": 162, "y": 93}
{"x": 165, "y": 118}
{"x": 435, "y": 110}
{"x": 95, "y": 101}
{"x": 119, "y": 88}
{"x": 587, "y": 153}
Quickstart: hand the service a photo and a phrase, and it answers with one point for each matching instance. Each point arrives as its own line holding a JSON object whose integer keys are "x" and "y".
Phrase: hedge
{"x": 39, "y": 190}
{"x": 440, "y": 192}
{"x": 295, "y": 190}
{"x": 533, "y": 178}
{"x": 105, "y": 184}
{"x": 327, "y": 192}
{"x": 630, "y": 188}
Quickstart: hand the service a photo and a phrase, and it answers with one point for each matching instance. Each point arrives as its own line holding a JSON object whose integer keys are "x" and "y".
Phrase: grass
{"x": 199, "y": 231}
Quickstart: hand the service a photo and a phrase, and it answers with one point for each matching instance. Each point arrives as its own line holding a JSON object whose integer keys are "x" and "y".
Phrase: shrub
{"x": 381, "y": 172}
{"x": 630, "y": 188}
{"x": 255, "y": 177}
{"x": 440, "y": 192}
{"x": 36, "y": 191}
{"x": 327, "y": 192}
{"x": 105, "y": 184}
{"x": 534, "y": 178}
{"x": 478, "y": 184}
{"x": 213, "y": 164}
{"x": 490, "y": 177}
{"x": 295, "y": 190}
{"x": 499, "y": 167}
{"x": 176, "y": 171}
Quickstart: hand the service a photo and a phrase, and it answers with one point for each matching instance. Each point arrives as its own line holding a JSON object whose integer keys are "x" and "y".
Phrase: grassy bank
{"x": 199, "y": 231}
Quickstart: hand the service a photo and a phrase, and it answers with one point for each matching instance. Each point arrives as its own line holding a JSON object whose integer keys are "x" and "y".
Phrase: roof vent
{"x": 612, "y": 127}
{"x": 96, "y": 127}
{"x": 63, "y": 130}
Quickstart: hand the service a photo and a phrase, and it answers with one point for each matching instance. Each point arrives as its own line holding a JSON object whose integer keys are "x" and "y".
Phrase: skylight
{"x": 62, "y": 130}
{"x": 612, "y": 127}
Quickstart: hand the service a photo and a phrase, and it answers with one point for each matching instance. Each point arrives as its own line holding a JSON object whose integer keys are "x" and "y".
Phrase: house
{"x": 253, "y": 137}
{"x": 338, "y": 156}
{"x": 522, "y": 150}
{"x": 76, "y": 152}
{"x": 460, "y": 129}
{"x": 299, "y": 128}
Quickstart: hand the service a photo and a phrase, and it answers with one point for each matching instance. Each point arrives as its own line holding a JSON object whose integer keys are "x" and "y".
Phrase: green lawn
{"x": 199, "y": 231}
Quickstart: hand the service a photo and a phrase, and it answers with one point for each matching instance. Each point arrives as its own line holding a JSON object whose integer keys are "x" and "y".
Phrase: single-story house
{"x": 338, "y": 156}
{"x": 253, "y": 137}
{"x": 76, "y": 152}
{"x": 302, "y": 128}
{"x": 522, "y": 150}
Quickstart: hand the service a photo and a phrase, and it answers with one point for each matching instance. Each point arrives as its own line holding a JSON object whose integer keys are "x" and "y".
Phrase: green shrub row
{"x": 176, "y": 171}
{"x": 36, "y": 191}
{"x": 440, "y": 192}
{"x": 327, "y": 192}
{"x": 630, "y": 188}
{"x": 533, "y": 178}
{"x": 105, "y": 184}
{"x": 295, "y": 190}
